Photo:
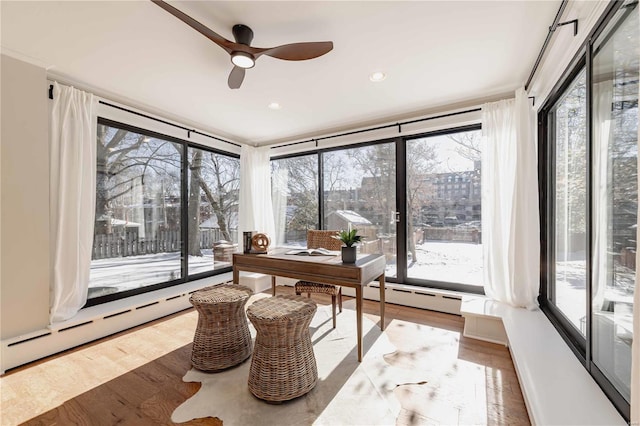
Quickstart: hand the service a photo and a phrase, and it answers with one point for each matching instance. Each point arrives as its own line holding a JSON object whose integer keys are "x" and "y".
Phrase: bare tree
{"x": 126, "y": 160}
{"x": 300, "y": 188}
{"x": 421, "y": 159}
{"x": 216, "y": 177}
{"x": 468, "y": 145}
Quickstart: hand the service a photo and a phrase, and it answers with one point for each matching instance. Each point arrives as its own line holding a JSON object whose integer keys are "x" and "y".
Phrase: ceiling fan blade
{"x": 298, "y": 51}
{"x": 205, "y": 31}
{"x": 236, "y": 77}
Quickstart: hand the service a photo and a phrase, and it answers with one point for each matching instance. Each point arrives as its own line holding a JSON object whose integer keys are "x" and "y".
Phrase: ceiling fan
{"x": 243, "y": 55}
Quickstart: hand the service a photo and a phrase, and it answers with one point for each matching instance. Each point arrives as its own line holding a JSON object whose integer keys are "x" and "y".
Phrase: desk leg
{"x": 236, "y": 275}
{"x": 273, "y": 285}
{"x": 359, "y": 320}
{"x": 382, "y": 295}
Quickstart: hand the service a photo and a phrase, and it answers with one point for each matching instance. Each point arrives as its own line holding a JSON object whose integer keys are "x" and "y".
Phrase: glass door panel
{"x": 569, "y": 145}
{"x": 359, "y": 187}
{"x": 444, "y": 208}
{"x": 615, "y": 197}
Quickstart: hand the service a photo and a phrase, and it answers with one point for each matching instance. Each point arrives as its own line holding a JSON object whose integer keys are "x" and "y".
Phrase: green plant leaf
{"x": 349, "y": 238}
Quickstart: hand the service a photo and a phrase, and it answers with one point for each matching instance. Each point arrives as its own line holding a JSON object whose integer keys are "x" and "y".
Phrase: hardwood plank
{"x": 135, "y": 377}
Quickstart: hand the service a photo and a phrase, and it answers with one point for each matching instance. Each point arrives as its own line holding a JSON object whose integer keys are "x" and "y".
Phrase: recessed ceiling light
{"x": 377, "y": 76}
{"x": 274, "y": 105}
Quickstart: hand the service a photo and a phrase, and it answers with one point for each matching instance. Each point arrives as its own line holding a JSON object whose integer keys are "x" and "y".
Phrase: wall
{"x": 24, "y": 170}
{"x": 563, "y": 46}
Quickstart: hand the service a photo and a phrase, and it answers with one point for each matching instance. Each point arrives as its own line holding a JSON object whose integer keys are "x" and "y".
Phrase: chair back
{"x": 323, "y": 239}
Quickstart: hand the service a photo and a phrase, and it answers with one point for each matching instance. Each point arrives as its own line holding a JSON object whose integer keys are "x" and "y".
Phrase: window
{"x": 444, "y": 234}
{"x": 437, "y": 203}
{"x": 294, "y": 190}
{"x": 615, "y": 195}
{"x": 590, "y": 197}
{"x": 214, "y": 184}
{"x": 141, "y": 228}
{"x": 568, "y": 127}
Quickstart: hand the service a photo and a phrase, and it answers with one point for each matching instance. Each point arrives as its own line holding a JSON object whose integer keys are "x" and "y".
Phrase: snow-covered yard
{"x": 439, "y": 261}
{"x": 126, "y": 273}
{"x": 454, "y": 262}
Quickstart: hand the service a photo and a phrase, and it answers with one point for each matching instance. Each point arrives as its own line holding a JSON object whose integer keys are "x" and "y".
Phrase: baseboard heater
{"x": 103, "y": 322}
{"x": 402, "y": 294}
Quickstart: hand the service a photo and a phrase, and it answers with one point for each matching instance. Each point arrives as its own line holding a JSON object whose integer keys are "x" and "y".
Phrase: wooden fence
{"x": 106, "y": 246}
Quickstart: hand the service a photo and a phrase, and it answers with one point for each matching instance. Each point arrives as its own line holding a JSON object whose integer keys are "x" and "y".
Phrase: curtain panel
{"x": 72, "y": 198}
{"x": 510, "y": 217}
{"x": 256, "y": 210}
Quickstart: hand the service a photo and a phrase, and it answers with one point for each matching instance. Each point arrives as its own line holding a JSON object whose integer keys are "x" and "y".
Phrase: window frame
{"x": 401, "y": 206}
{"x": 580, "y": 346}
{"x": 184, "y": 211}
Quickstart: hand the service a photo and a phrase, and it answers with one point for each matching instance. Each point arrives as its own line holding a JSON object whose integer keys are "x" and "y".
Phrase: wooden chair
{"x": 322, "y": 239}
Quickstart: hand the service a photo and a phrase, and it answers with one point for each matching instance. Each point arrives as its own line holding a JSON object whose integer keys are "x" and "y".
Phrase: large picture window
{"x": 416, "y": 200}
{"x": 140, "y": 238}
{"x": 590, "y": 199}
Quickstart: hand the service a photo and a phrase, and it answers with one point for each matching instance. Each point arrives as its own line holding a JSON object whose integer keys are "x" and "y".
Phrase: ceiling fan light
{"x": 242, "y": 60}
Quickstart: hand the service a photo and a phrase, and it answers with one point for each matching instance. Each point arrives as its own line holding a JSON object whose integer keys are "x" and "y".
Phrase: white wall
{"x": 24, "y": 229}
{"x": 564, "y": 45}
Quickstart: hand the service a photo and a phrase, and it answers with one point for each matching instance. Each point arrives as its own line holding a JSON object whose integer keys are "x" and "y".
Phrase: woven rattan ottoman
{"x": 283, "y": 366}
{"x": 222, "y": 337}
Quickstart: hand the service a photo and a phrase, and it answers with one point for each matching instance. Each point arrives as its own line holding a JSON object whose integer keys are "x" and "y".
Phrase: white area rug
{"x": 347, "y": 392}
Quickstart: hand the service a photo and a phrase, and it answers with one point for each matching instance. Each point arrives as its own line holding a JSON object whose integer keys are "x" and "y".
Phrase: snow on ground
{"x": 454, "y": 262}
{"x": 440, "y": 261}
{"x": 126, "y": 273}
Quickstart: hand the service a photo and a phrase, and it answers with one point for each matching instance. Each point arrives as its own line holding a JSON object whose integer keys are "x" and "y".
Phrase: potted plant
{"x": 349, "y": 239}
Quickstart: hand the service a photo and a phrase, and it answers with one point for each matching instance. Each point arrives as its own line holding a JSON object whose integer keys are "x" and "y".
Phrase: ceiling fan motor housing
{"x": 242, "y": 34}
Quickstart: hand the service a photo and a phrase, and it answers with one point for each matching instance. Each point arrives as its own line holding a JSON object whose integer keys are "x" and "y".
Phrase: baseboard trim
{"x": 100, "y": 321}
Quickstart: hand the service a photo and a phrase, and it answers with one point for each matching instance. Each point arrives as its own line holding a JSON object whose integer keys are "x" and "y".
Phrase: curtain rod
{"x": 370, "y": 129}
{"x": 189, "y": 131}
{"x": 552, "y": 29}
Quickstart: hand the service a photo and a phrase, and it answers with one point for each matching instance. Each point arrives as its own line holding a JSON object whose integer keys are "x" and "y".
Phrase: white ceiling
{"x": 435, "y": 53}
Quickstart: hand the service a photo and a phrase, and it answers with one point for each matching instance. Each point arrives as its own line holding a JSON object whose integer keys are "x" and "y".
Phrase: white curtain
{"x": 279, "y": 199}
{"x": 510, "y": 218}
{"x": 72, "y": 198}
{"x": 601, "y": 212}
{"x": 256, "y": 211}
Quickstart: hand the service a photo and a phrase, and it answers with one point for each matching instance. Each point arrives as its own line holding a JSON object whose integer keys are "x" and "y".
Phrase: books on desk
{"x": 313, "y": 252}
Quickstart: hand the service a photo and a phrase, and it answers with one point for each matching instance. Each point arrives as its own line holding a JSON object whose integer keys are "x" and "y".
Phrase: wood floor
{"x": 135, "y": 377}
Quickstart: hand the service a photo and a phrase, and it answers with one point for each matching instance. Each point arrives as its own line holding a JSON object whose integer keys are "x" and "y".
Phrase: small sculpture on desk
{"x": 260, "y": 243}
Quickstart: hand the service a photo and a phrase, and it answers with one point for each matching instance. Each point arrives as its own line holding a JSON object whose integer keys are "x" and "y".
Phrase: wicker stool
{"x": 222, "y": 337}
{"x": 283, "y": 366}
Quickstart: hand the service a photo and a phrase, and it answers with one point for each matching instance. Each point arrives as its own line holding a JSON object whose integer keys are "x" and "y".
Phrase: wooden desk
{"x": 322, "y": 269}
